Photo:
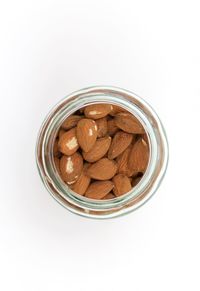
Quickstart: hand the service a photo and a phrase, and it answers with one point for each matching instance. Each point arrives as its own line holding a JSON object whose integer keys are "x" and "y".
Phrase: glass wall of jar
{"x": 149, "y": 183}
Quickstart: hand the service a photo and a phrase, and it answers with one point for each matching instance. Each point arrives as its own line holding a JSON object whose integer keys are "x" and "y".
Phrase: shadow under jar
{"x": 143, "y": 184}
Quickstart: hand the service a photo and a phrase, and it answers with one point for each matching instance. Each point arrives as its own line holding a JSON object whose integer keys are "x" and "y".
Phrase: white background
{"x": 51, "y": 48}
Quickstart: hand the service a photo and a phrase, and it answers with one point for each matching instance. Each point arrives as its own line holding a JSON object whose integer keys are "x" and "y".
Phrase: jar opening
{"x": 110, "y": 141}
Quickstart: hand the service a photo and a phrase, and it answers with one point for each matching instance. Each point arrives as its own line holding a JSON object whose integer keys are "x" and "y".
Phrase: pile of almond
{"x": 101, "y": 151}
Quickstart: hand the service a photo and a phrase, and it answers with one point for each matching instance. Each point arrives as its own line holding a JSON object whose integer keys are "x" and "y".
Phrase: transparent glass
{"x": 141, "y": 192}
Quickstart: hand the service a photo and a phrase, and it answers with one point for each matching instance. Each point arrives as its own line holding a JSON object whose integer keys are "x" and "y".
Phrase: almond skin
{"x": 68, "y": 143}
{"x": 102, "y": 127}
{"x": 103, "y": 169}
{"x": 86, "y": 134}
{"x": 109, "y": 196}
{"x": 122, "y": 184}
{"x": 122, "y": 162}
{"x": 116, "y": 109}
{"x": 99, "y": 150}
{"x": 139, "y": 156}
{"x": 81, "y": 185}
{"x": 71, "y": 122}
{"x": 71, "y": 168}
{"x": 99, "y": 189}
{"x": 97, "y": 111}
{"x": 112, "y": 128}
{"x": 61, "y": 132}
{"x": 128, "y": 123}
{"x": 120, "y": 142}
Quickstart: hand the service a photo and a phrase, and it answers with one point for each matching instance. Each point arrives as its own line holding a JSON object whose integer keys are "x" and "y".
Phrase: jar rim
{"x": 157, "y": 162}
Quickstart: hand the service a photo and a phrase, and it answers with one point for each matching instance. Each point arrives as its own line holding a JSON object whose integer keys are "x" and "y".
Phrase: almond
{"x": 119, "y": 143}
{"x": 61, "y": 132}
{"x": 99, "y": 189}
{"x": 68, "y": 143}
{"x": 99, "y": 149}
{"x": 103, "y": 169}
{"x": 81, "y": 185}
{"x": 109, "y": 196}
{"x": 71, "y": 167}
{"x": 122, "y": 162}
{"x": 102, "y": 127}
{"x": 122, "y": 184}
{"x": 86, "y": 133}
{"x": 139, "y": 156}
{"x": 128, "y": 123}
{"x": 116, "y": 109}
{"x": 71, "y": 121}
{"x": 97, "y": 111}
{"x": 112, "y": 128}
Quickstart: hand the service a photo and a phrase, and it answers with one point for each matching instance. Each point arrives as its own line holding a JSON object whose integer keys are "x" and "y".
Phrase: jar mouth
{"x": 152, "y": 177}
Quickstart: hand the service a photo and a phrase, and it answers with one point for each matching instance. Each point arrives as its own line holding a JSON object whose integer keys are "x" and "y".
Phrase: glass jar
{"x": 141, "y": 192}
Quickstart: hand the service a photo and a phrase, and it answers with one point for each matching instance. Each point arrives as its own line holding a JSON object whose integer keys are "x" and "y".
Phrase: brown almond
{"x": 102, "y": 127}
{"x": 97, "y": 111}
{"x": 139, "y": 156}
{"x": 99, "y": 149}
{"x": 120, "y": 142}
{"x": 122, "y": 184}
{"x": 81, "y": 185}
{"x": 116, "y": 109}
{"x": 71, "y": 121}
{"x": 61, "y": 132}
{"x": 128, "y": 123}
{"x": 71, "y": 168}
{"x": 68, "y": 143}
{"x": 109, "y": 196}
{"x": 130, "y": 179}
{"x": 86, "y": 134}
{"x": 122, "y": 162}
{"x": 99, "y": 189}
{"x": 103, "y": 169}
{"x": 112, "y": 128}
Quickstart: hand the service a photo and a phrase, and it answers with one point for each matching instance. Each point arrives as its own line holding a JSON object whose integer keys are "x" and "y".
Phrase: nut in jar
{"x": 99, "y": 156}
